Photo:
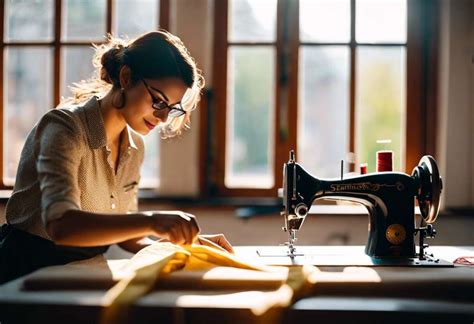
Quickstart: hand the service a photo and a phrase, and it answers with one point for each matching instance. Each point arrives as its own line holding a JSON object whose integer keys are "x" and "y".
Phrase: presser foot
{"x": 292, "y": 250}
{"x": 425, "y": 256}
{"x": 291, "y": 245}
{"x": 429, "y": 258}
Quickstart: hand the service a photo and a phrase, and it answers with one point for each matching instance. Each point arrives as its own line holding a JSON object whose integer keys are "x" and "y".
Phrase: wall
{"x": 192, "y": 22}
{"x": 456, "y": 104}
{"x": 472, "y": 104}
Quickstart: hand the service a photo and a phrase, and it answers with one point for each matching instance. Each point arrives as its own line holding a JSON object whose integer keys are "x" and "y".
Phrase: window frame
{"x": 420, "y": 102}
{"x": 56, "y": 44}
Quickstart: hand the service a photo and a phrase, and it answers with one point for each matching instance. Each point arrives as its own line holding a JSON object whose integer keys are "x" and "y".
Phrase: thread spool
{"x": 363, "y": 168}
{"x": 384, "y": 161}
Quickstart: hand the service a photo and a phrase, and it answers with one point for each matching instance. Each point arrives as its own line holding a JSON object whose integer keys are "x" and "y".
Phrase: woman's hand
{"x": 176, "y": 226}
{"x": 215, "y": 239}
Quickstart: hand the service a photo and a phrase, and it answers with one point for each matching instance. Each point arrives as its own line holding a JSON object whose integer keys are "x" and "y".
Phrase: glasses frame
{"x": 160, "y": 104}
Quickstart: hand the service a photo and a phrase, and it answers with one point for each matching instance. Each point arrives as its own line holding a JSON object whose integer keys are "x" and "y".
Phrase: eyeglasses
{"x": 159, "y": 104}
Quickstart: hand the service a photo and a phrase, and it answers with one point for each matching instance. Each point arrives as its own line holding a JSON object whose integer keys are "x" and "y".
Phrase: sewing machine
{"x": 390, "y": 200}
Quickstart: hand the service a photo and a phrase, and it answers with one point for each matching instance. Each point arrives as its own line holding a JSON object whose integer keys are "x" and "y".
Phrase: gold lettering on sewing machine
{"x": 364, "y": 186}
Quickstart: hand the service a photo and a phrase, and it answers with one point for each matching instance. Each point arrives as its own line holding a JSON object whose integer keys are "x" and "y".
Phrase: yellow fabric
{"x": 163, "y": 258}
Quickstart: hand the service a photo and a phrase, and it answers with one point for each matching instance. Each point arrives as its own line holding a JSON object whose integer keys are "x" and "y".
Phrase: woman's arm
{"x": 81, "y": 228}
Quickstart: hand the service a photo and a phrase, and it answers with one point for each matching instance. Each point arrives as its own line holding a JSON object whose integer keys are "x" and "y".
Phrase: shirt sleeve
{"x": 59, "y": 150}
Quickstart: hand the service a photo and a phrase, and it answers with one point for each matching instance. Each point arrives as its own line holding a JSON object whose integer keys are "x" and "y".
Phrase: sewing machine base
{"x": 279, "y": 255}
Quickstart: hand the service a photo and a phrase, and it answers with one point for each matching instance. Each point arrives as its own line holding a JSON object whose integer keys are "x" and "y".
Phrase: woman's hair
{"x": 153, "y": 55}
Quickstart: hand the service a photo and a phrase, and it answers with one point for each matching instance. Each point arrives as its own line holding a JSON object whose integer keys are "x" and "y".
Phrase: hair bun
{"x": 112, "y": 61}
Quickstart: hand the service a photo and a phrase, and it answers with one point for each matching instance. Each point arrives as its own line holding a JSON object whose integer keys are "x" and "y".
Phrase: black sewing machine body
{"x": 388, "y": 196}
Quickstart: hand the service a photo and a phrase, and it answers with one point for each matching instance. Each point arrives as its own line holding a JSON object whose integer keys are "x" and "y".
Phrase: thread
{"x": 384, "y": 161}
{"x": 363, "y": 168}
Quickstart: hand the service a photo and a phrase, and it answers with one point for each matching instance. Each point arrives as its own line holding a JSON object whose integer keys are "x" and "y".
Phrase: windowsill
{"x": 150, "y": 196}
{"x": 5, "y": 194}
{"x": 146, "y": 196}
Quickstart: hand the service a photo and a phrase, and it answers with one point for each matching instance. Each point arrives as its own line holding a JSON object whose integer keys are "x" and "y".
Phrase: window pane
{"x": 76, "y": 66}
{"x": 127, "y": 11}
{"x": 323, "y": 114}
{"x": 380, "y": 103}
{"x": 29, "y": 20}
{"x": 28, "y": 93}
{"x": 250, "y": 117}
{"x": 252, "y": 20}
{"x": 381, "y": 21}
{"x": 84, "y": 20}
{"x": 151, "y": 164}
{"x": 325, "y": 20}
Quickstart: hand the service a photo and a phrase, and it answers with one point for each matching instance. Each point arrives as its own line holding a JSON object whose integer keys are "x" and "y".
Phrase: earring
{"x": 121, "y": 100}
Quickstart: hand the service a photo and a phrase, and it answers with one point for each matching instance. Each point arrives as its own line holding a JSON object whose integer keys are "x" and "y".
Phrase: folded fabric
{"x": 161, "y": 259}
{"x": 465, "y": 260}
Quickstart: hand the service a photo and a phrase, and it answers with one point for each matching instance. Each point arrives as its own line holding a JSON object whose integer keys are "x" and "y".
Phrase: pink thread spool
{"x": 384, "y": 161}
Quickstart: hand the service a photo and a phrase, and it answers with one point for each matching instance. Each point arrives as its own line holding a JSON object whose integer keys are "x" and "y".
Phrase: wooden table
{"x": 341, "y": 293}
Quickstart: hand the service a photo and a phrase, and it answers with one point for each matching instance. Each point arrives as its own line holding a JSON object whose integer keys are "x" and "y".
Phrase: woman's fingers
{"x": 188, "y": 234}
{"x": 195, "y": 230}
{"x": 179, "y": 227}
{"x": 176, "y": 236}
{"x": 189, "y": 228}
{"x": 222, "y": 241}
{"x": 206, "y": 242}
{"x": 217, "y": 239}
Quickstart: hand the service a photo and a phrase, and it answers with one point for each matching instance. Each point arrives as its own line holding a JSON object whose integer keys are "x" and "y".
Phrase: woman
{"x": 77, "y": 180}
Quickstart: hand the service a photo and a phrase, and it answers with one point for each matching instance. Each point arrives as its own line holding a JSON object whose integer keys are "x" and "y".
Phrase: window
{"x": 326, "y": 78}
{"x": 250, "y": 114}
{"x": 46, "y": 46}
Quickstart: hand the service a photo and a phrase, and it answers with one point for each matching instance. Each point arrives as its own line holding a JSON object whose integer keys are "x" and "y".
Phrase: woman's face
{"x": 139, "y": 112}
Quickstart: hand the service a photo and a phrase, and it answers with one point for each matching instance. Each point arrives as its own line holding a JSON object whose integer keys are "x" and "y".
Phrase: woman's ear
{"x": 125, "y": 77}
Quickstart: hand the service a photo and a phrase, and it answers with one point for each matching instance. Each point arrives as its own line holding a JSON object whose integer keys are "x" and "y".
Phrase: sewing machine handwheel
{"x": 429, "y": 188}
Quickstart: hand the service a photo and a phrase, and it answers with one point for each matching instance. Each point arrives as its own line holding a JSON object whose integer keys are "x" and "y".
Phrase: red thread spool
{"x": 384, "y": 161}
{"x": 363, "y": 168}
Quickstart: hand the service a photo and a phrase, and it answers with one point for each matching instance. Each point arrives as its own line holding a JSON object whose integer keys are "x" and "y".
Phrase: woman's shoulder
{"x": 64, "y": 118}
{"x": 61, "y": 123}
{"x": 70, "y": 116}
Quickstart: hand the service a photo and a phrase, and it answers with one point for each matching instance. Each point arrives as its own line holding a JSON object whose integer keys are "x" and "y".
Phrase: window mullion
{"x": 216, "y": 182}
{"x": 2, "y": 105}
{"x": 57, "y": 52}
{"x": 164, "y": 14}
{"x": 293, "y": 43}
{"x": 352, "y": 85}
{"x": 414, "y": 128}
{"x": 109, "y": 15}
{"x": 286, "y": 93}
{"x": 281, "y": 88}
